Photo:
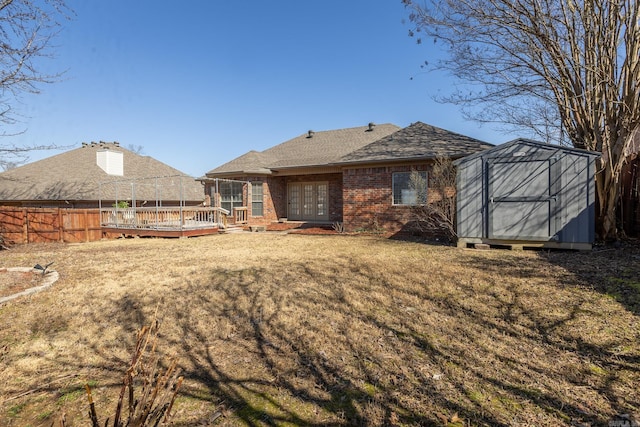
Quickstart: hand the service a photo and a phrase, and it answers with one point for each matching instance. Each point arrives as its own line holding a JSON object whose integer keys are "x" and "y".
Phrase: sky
{"x": 201, "y": 82}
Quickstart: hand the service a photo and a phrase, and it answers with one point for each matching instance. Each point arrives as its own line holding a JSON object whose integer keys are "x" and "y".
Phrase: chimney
{"x": 112, "y": 162}
{"x": 116, "y": 143}
{"x": 371, "y": 126}
{"x": 310, "y": 134}
{"x": 84, "y": 144}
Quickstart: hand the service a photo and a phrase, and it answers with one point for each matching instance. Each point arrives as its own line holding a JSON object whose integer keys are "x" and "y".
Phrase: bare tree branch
{"x": 27, "y": 29}
{"x": 566, "y": 69}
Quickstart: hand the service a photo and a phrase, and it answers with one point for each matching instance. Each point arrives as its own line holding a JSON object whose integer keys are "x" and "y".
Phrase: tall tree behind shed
{"x": 569, "y": 70}
{"x": 27, "y": 28}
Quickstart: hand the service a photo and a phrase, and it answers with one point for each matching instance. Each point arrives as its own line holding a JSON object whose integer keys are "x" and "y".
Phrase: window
{"x": 410, "y": 188}
{"x": 230, "y": 195}
{"x": 257, "y": 199}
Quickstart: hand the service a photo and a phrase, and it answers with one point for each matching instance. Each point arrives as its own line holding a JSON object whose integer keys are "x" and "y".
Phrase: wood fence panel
{"x": 40, "y": 225}
{"x": 13, "y": 225}
{"x": 81, "y": 225}
{"x": 43, "y": 225}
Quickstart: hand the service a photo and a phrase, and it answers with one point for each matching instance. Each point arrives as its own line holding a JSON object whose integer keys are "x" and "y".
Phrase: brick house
{"x": 358, "y": 176}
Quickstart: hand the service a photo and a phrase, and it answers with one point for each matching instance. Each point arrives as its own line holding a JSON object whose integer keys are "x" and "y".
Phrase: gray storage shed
{"x": 526, "y": 193}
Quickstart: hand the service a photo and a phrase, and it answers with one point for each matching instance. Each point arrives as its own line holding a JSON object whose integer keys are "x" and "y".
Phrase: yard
{"x": 282, "y": 329}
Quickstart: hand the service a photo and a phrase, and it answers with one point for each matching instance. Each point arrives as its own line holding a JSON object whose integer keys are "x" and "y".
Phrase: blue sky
{"x": 198, "y": 83}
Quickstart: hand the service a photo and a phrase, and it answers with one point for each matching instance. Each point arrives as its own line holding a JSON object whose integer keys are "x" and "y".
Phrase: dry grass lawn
{"x": 275, "y": 329}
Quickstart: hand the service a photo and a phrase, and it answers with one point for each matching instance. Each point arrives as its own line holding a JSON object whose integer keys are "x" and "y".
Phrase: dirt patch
{"x": 315, "y": 231}
{"x": 303, "y": 228}
{"x": 13, "y": 282}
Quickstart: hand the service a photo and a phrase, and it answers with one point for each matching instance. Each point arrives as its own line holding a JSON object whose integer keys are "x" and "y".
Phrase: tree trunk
{"x": 607, "y": 194}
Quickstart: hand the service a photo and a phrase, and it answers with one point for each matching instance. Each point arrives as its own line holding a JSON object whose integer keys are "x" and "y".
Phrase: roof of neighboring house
{"x": 311, "y": 149}
{"x": 416, "y": 141}
{"x": 75, "y": 175}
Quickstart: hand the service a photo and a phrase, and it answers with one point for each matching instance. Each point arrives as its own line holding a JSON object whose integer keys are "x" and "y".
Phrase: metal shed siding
{"x": 577, "y": 199}
{"x": 529, "y": 191}
{"x": 470, "y": 190}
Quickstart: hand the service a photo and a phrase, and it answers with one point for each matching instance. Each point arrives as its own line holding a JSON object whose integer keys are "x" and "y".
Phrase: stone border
{"x": 49, "y": 279}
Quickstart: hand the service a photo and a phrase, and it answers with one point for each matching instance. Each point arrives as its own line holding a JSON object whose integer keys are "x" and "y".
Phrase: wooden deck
{"x": 151, "y": 232}
{"x": 162, "y": 222}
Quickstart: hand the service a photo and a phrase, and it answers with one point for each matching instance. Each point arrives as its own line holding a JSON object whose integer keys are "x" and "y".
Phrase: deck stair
{"x": 231, "y": 229}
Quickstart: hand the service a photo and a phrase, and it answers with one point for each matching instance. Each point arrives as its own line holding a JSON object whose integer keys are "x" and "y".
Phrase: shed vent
{"x": 111, "y": 162}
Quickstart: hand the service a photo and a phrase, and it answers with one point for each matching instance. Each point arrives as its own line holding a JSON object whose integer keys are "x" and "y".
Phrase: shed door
{"x": 522, "y": 200}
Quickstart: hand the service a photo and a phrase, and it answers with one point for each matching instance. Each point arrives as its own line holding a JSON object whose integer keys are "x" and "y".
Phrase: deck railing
{"x": 174, "y": 218}
{"x": 240, "y": 215}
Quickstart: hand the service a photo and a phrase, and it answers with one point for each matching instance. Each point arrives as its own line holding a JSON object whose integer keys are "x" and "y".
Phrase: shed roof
{"x": 311, "y": 149}
{"x": 417, "y": 141}
{"x": 75, "y": 175}
{"x": 524, "y": 141}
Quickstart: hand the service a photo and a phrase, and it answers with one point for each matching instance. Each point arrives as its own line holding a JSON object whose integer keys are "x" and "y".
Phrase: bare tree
{"x": 435, "y": 209}
{"x": 138, "y": 149}
{"x": 569, "y": 70}
{"x": 27, "y": 28}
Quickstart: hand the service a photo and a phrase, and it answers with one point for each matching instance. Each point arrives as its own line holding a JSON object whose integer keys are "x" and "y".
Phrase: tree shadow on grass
{"x": 337, "y": 344}
{"x": 331, "y": 352}
{"x": 611, "y": 271}
{"x": 576, "y": 324}
{"x": 271, "y": 363}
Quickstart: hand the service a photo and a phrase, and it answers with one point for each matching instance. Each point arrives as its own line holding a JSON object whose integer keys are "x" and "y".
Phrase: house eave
{"x": 307, "y": 170}
{"x": 209, "y": 177}
{"x": 392, "y": 161}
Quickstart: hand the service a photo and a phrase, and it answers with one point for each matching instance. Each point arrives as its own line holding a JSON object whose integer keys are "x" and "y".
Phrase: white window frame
{"x": 255, "y": 200}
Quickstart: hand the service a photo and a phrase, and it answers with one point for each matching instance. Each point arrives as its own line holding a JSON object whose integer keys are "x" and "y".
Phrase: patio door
{"x": 308, "y": 201}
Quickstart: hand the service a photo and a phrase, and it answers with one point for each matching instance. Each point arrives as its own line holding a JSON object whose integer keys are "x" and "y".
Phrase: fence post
{"x": 25, "y": 226}
{"x": 86, "y": 225}
{"x": 60, "y": 226}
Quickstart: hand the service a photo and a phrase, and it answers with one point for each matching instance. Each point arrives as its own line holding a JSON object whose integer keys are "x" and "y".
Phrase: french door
{"x": 308, "y": 201}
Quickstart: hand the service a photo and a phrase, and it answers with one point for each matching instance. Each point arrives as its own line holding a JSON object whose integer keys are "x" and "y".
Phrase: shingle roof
{"x": 416, "y": 141}
{"x": 318, "y": 149}
{"x": 251, "y": 161}
{"x": 75, "y": 175}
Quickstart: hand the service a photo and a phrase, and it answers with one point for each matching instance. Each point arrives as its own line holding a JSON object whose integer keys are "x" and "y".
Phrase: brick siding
{"x": 361, "y": 198}
{"x": 368, "y": 199}
{"x": 275, "y": 195}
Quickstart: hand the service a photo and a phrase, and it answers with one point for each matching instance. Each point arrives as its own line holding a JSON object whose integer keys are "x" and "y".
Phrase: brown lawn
{"x": 276, "y": 329}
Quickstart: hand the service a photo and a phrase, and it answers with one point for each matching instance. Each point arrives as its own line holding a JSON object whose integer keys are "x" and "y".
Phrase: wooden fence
{"x": 40, "y": 225}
